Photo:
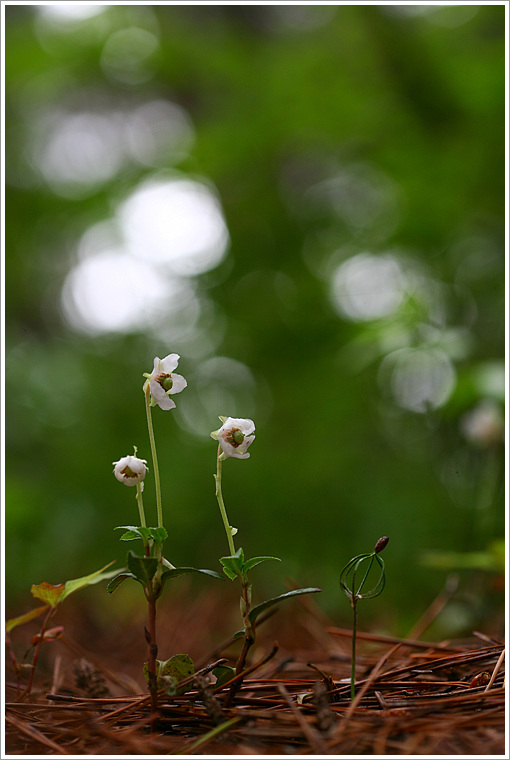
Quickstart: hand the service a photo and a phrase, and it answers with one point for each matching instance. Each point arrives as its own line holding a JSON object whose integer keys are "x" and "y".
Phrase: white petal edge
{"x": 179, "y": 383}
{"x": 165, "y": 403}
{"x": 246, "y": 426}
{"x": 169, "y": 363}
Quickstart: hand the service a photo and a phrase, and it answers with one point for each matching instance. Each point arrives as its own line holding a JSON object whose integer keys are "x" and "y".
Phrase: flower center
{"x": 128, "y": 472}
{"x": 166, "y": 382}
{"x": 235, "y": 437}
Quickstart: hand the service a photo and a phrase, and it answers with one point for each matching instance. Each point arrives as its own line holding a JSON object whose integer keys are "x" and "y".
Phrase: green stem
{"x": 221, "y": 504}
{"x": 353, "y": 657}
{"x": 139, "y": 501}
{"x": 154, "y": 454}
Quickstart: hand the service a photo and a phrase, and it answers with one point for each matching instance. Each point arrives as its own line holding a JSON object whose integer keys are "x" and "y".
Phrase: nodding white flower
{"x": 234, "y": 436}
{"x": 130, "y": 470}
{"x": 163, "y": 381}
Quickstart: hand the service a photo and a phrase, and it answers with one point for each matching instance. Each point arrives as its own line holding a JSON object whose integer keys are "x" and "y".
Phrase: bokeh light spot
{"x": 128, "y": 56}
{"x": 78, "y": 152}
{"x": 177, "y": 223}
{"x": 361, "y": 195}
{"x": 70, "y": 12}
{"x": 367, "y": 287}
{"x": 419, "y": 380}
{"x": 159, "y": 131}
{"x": 115, "y": 292}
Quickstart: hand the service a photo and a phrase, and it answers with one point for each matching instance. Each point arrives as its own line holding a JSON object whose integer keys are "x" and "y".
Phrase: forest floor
{"x": 413, "y": 697}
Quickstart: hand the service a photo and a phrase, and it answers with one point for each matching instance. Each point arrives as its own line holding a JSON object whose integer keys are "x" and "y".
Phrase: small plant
{"x": 151, "y": 569}
{"x": 352, "y": 586}
{"x": 234, "y": 437}
{"x": 52, "y": 597}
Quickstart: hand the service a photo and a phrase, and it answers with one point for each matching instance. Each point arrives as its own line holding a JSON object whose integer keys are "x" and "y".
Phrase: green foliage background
{"x": 405, "y": 112}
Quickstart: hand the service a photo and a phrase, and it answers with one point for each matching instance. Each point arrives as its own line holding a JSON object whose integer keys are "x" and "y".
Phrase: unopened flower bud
{"x": 130, "y": 470}
{"x": 381, "y": 544}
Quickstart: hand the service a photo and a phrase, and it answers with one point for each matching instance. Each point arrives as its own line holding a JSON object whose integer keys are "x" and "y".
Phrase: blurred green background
{"x": 307, "y": 204}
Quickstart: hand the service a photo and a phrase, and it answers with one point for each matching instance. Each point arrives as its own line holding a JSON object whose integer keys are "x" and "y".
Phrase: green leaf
{"x": 87, "y": 580}
{"x": 176, "y": 571}
{"x": 143, "y": 568}
{"x": 223, "y": 673}
{"x": 158, "y": 534}
{"x": 53, "y": 595}
{"x": 115, "y": 582}
{"x": 233, "y": 564}
{"x": 133, "y": 532}
{"x": 179, "y": 666}
{"x": 256, "y": 611}
{"x": 14, "y": 622}
{"x": 229, "y": 573}
{"x": 256, "y": 561}
{"x": 129, "y": 535}
{"x": 170, "y": 673}
{"x": 146, "y": 672}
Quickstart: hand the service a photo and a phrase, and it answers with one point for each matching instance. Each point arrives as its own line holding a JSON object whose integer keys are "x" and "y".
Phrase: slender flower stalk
{"x": 234, "y": 437}
{"x": 154, "y": 455}
{"x": 221, "y": 503}
{"x": 139, "y": 501}
{"x": 159, "y": 385}
{"x": 35, "y": 658}
{"x": 353, "y": 591}
{"x": 353, "y": 650}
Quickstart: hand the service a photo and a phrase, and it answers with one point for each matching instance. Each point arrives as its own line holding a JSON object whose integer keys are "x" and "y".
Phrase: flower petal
{"x": 166, "y": 404}
{"x": 130, "y": 470}
{"x": 232, "y": 451}
{"x": 179, "y": 383}
{"x": 159, "y": 395}
{"x": 237, "y": 455}
{"x": 169, "y": 363}
{"x": 245, "y": 426}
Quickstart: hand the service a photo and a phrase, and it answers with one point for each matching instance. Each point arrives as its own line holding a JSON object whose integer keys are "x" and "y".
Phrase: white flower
{"x": 234, "y": 436}
{"x": 163, "y": 381}
{"x": 130, "y": 470}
